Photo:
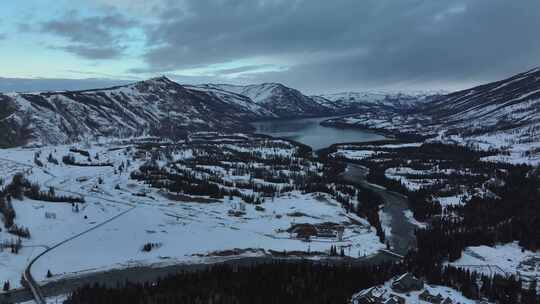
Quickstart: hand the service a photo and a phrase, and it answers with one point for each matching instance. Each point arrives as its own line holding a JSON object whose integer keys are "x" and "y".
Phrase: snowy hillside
{"x": 157, "y": 106}
{"x": 234, "y": 98}
{"x": 507, "y": 259}
{"x": 510, "y": 107}
{"x": 371, "y": 99}
{"x": 283, "y": 101}
{"x": 503, "y": 115}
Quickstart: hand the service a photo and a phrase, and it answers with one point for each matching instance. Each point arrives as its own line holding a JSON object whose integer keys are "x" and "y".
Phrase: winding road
{"x": 27, "y": 274}
{"x": 32, "y": 284}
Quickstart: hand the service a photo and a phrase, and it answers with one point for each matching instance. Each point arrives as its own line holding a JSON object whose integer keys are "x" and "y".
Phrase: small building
{"x": 50, "y": 215}
{"x": 428, "y": 297}
{"x": 395, "y": 299}
{"x": 407, "y": 283}
{"x": 372, "y": 295}
{"x": 448, "y": 301}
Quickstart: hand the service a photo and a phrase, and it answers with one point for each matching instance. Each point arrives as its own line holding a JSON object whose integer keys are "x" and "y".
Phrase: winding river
{"x": 309, "y": 132}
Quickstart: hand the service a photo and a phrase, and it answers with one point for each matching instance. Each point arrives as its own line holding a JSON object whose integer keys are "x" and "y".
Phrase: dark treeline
{"x": 369, "y": 208}
{"x": 471, "y": 171}
{"x": 18, "y": 189}
{"x": 497, "y": 288}
{"x": 298, "y": 282}
{"x": 269, "y": 174}
{"x": 278, "y": 282}
{"x": 512, "y": 214}
{"x": 70, "y": 160}
{"x": 508, "y": 211}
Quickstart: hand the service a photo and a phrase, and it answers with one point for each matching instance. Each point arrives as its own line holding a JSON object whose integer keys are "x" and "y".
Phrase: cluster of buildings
{"x": 401, "y": 288}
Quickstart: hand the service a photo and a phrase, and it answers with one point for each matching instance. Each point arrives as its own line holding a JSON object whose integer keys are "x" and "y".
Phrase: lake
{"x": 309, "y": 132}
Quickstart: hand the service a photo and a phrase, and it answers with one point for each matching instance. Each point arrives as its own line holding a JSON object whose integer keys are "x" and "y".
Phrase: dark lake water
{"x": 309, "y": 131}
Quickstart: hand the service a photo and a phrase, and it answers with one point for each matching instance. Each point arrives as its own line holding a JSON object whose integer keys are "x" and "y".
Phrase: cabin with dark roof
{"x": 407, "y": 283}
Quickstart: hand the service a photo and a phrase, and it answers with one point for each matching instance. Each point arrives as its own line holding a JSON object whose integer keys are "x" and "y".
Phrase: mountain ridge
{"x": 503, "y": 114}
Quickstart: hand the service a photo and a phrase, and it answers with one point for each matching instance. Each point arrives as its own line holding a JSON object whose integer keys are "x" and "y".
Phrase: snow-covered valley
{"x": 180, "y": 228}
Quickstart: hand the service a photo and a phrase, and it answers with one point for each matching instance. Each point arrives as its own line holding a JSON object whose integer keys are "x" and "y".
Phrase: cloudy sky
{"x": 314, "y": 45}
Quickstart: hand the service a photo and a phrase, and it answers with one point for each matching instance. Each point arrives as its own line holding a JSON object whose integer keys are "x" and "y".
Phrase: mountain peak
{"x": 162, "y": 78}
{"x": 275, "y": 85}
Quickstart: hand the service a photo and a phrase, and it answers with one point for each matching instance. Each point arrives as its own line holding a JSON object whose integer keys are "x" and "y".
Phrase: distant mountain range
{"x": 508, "y": 109}
{"x": 157, "y": 106}
{"x": 368, "y": 100}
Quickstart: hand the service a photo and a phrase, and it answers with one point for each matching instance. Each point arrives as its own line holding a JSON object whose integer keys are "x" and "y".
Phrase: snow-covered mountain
{"x": 509, "y": 106}
{"x": 233, "y": 98}
{"x": 157, "y": 106}
{"x": 282, "y": 101}
{"x": 351, "y": 101}
{"x": 501, "y": 114}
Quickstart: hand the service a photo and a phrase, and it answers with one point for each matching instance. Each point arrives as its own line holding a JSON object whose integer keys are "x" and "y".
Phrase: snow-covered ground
{"x": 45, "y": 232}
{"x": 402, "y": 174}
{"x": 409, "y": 215}
{"x": 515, "y": 151}
{"x": 452, "y": 200}
{"x": 504, "y": 259}
{"x": 186, "y": 232}
{"x": 189, "y": 230}
{"x": 354, "y": 154}
{"x": 386, "y": 221}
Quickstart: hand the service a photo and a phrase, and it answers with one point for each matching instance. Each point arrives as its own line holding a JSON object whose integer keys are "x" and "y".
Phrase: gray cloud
{"x": 352, "y": 44}
{"x": 94, "y": 37}
{"x": 243, "y": 69}
{"x": 93, "y": 52}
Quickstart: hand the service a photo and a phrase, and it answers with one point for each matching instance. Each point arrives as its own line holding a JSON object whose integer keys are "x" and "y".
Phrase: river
{"x": 309, "y": 132}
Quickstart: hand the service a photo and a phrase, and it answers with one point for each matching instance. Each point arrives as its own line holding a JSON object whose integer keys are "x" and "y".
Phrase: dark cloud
{"x": 93, "y": 52}
{"x": 349, "y": 43}
{"x": 91, "y": 37}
